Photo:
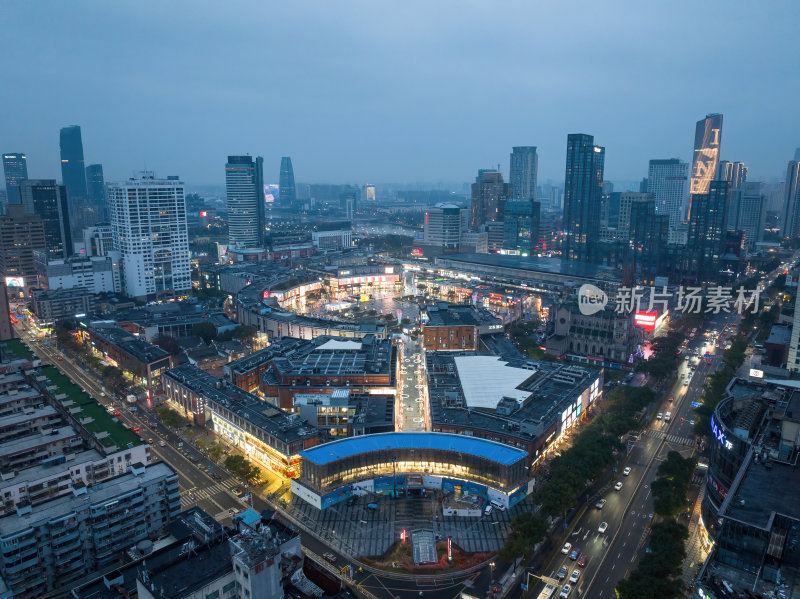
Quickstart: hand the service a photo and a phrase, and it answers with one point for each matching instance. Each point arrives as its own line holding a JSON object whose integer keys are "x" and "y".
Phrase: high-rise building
{"x": 15, "y": 167}
{"x": 646, "y": 238}
{"x": 244, "y": 184}
{"x": 287, "y": 191}
{"x": 444, "y": 225}
{"x": 73, "y": 171}
{"x": 148, "y": 224}
{"x": 369, "y": 192}
{"x": 20, "y": 235}
{"x": 790, "y": 227}
{"x": 98, "y": 240}
{"x": 489, "y": 195}
{"x": 735, "y": 173}
{"x": 707, "y": 143}
{"x": 706, "y": 234}
{"x": 48, "y": 201}
{"x": 96, "y": 188}
{"x": 521, "y": 225}
{"x": 6, "y": 330}
{"x": 751, "y": 212}
{"x": 667, "y": 182}
{"x": 583, "y": 185}
{"x": 523, "y": 172}
{"x": 626, "y": 199}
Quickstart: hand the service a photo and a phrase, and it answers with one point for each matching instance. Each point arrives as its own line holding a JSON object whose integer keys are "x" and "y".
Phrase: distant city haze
{"x": 411, "y": 92}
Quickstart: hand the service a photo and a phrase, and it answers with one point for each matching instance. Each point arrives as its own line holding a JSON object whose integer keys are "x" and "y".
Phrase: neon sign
{"x": 720, "y": 435}
{"x": 646, "y": 320}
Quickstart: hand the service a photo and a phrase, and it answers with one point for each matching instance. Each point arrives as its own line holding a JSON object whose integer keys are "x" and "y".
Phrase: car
{"x": 237, "y": 491}
{"x": 180, "y": 443}
{"x": 575, "y": 554}
{"x": 576, "y": 574}
{"x": 618, "y": 486}
{"x": 162, "y": 443}
{"x": 562, "y": 573}
{"x": 671, "y": 399}
{"x": 659, "y": 416}
{"x": 686, "y": 383}
{"x": 565, "y": 591}
{"x": 329, "y": 557}
{"x": 599, "y": 505}
{"x": 582, "y": 560}
{"x": 566, "y": 548}
{"x": 603, "y": 527}
{"x": 626, "y": 471}
{"x": 150, "y": 441}
{"x": 133, "y": 409}
{"x": 59, "y": 358}
{"x": 117, "y": 413}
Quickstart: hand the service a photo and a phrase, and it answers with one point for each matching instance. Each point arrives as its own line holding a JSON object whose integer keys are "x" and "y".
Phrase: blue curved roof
{"x": 344, "y": 448}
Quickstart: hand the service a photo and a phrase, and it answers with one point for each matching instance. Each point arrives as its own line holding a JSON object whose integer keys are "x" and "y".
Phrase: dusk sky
{"x": 396, "y": 92}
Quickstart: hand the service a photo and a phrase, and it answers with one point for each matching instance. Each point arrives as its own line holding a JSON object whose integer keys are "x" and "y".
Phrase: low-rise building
{"x": 278, "y": 323}
{"x": 343, "y": 413}
{"x": 265, "y": 433}
{"x": 456, "y": 327}
{"x": 98, "y": 274}
{"x": 49, "y": 306}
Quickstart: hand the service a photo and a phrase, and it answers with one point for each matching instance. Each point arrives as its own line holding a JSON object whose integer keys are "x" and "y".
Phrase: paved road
{"x": 411, "y": 407}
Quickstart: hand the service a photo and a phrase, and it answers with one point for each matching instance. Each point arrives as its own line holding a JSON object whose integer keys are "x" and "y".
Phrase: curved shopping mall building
{"x": 411, "y": 461}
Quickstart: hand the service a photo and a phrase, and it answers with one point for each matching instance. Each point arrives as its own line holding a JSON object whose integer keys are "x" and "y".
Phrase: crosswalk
{"x": 677, "y": 439}
{"x": 190, "y": 497}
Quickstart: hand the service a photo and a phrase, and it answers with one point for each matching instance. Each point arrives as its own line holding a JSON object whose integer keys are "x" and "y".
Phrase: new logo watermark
{"x": 591, "y": 299}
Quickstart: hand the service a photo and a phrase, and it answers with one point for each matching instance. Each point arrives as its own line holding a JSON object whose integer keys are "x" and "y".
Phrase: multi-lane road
{"x": 611, "y": 555}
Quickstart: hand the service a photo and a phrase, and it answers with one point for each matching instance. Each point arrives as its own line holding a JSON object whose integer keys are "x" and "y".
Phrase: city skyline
{"x": 325, "y": 133}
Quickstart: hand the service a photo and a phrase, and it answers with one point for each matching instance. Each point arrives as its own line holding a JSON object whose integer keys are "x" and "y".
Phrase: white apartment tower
{"x": 667, "y": 181}
{"x": 148, "y": 224}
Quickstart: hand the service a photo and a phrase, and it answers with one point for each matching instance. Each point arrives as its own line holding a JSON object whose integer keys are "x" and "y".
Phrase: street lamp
{"x": 492, "y": 566}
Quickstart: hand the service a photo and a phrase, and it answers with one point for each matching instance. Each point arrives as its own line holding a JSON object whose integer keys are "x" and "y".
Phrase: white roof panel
{"x": 485, "y": 380}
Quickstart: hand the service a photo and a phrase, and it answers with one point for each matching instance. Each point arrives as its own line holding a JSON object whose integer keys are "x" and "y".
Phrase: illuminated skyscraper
{"x": 523, "y": 172}
{"x": 287, "y": 191}
{"x": 707, "y": 143}
{"x": 369, "y": 193}
{"x": 73, "y": 171}
{"x": 244, "y": 184}
{"x": 489, "y": 195}
{"x": 583, "y": 187}
{"x": 15, "y": 167}
{"x": 707, "y": 227}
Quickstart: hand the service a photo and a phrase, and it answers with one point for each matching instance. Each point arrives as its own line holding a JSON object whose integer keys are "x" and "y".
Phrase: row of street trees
{"x": 657, "y": 575}
{"x": 595, "y": 448}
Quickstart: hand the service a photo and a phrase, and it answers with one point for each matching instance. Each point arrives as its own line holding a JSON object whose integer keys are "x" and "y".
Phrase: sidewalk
{"x": 696, "y": 551}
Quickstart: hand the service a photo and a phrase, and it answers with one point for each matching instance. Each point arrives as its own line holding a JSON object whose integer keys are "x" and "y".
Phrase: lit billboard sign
{"x": 719, "y": 434}
{"x": 756, "y": 374}
{"x": 646, "y": 320}
{"x": 15, "y": 282}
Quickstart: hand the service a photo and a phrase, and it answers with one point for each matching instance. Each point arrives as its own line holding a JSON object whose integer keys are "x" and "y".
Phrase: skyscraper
{"x": 47, "y": 200}
{"x": 148, "y": 224}
{"x": 244, "y": 184}
{"x": 582, "y": 197}
{"x": 15, "y": 167}
{"x": 735, "y": 173}
{"x": 751, "y": 212}
{"x": 96, "y": 188}
{"x": 523, "y": 172}
{"x": 521, "y": 225}
{"x": 667, "y": 182}
{"x": 20, "y": 234}
{"x": 287, "y": 191}
{"x": 707, "y": 143}
{"x": 706, "y": 235}
{"x": 790, "y": 227}
{"x": 73, "y": 171}
{"x": 489, "y": 195}
{"x": 646, "y": 238}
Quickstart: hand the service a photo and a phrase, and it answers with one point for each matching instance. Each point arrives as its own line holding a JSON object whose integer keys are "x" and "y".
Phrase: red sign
{"x": 416, "y": 251}
{"x": 646, "y": 320}
{"x": 204, "y": 214}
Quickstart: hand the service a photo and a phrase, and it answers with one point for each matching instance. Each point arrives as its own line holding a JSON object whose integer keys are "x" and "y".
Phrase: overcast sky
{"x": 395, "y": 91}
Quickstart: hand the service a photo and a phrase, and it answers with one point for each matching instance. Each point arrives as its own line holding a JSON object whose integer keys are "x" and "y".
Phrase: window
{"x": 213, "y": 595}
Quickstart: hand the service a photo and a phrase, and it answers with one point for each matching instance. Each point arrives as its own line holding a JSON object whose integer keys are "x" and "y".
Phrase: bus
{"x": 548, "y": 591}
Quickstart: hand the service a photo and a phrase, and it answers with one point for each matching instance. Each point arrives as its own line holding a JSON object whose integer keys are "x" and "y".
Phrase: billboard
{"x": 15, "y": 282}
{"x": 756, "y": 374}
{"x": 271, "y": 193}
{"x": 646, "y": 320}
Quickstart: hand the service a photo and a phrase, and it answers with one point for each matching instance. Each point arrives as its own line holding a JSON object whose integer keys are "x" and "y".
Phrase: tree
{"x": 672, "y": 484}
{"x": 244, "y": 332}
{"x": 205, "y": 330}
{"x": 167, "y": 343}
{"x": 170, "y": 417}
{"x": 527, "y": 530}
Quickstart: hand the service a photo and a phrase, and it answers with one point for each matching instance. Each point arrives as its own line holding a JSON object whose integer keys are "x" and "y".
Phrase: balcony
{"x": 23, "y": 565}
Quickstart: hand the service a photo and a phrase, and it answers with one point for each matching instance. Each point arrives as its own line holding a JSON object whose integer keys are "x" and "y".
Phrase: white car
{"x": 599, "y": 505}
{"x": 659, "y": 416}
{"x": 162, "y": 443}
{"x": 576, "y": 574}
{"x": 627, "y": 471}
{"x": 618, "y": 486}
{"x": 565, "y": 591}
{"x": 603, "y": 527}
{"x": 565, "y": 549}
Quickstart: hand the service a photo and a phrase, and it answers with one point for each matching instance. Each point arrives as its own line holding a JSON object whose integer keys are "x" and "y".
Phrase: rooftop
{"x": 487, "y": 379}
{"x": 755, "y": 500}
{"x": 533, "y": 264}
{"x": 779, "y": 335}
{"x": 344, "y": 448}
{"x": 459, "y": 315}
{"x": 273, "y": 421}
{"x": 127, "y": 342}
{"x": 95, "y": 494}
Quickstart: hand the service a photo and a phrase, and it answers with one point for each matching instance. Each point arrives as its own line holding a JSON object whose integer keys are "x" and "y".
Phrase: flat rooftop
{"x": 344, "y": 448}
{"x": 184, "y": 574}
{"x": 127, "y": 342}
{"x": 487, "y": 379}
{"x": 756, "y": 498}
{"x": 96, "y": 493}
{"x": 444, "y": 315}
{"x": 534, "y": 265}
